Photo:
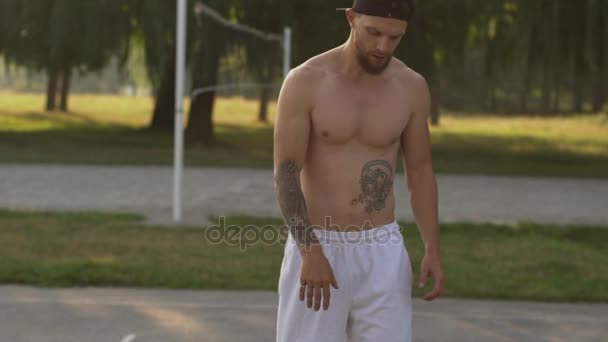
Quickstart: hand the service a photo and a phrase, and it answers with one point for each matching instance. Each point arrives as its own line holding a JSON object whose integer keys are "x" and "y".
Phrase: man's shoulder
{"x": 306, "y": 77}
{"x": 306, "y": 72}
{"x": 407, "y": 75}
{"x": 313, "y": 69}
{"x": 302, "y": 82}
{"x": 414, "y": 84}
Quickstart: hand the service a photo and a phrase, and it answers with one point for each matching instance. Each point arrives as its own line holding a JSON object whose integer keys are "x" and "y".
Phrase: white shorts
{"x": 373, "y": 302}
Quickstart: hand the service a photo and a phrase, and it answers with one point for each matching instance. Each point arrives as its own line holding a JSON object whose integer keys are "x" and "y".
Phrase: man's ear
{"x": 351, "y": 16}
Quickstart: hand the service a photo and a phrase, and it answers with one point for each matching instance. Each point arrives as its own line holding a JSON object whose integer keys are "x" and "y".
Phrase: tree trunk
{"x": 51, "y": 90}
{"x": 200, "y": 119}
{"x": 534, "y": 26}
{"x": 66, "y": 77}
{"x": 435, "y": 110}
{"x": 599, "y": 83}
{"x": 264, "y": 98}
{"x": 489, "y": 77}
{"x": 599, "y": 92}
{"x": 578, "y": 93}
{"x": 579, "y": 58}
{"x": 525, "y": 89}
{"x": 7, "y": 73}
{"x": 545, "y": 101}
{"x": 264, "y": 94}
{"x": 163, "y": 117}
{"x": 488, "y": 83}
{"x": 550, "y": 52}
{"x": 555, "y": 106}
{"x": 547, "y": 86}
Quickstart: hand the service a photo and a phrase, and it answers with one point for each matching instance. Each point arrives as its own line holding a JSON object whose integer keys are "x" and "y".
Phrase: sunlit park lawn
{"x": 112, "y": 130}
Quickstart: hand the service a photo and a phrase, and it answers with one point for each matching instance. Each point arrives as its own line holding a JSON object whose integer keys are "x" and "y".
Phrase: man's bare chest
{"x": 375, "y": 118}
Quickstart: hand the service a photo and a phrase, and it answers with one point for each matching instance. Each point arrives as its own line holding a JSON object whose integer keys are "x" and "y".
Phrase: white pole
{"x": 286, "y": 51}
{"x": 179, "y": 110}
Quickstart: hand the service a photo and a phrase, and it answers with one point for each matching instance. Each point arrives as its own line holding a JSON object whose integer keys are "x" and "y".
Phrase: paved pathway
{"x": 128, "y": 315}
{"x": 207, "y": 191}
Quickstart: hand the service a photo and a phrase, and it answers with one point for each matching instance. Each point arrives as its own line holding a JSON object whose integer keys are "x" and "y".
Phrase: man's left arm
{"x": 422, "y": 186}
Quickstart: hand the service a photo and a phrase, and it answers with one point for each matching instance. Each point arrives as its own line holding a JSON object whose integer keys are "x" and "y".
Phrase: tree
{"x": 580, "y": 18}
{"x": 155, "y": 27}
{"x": 263, "y": 62}
{"x": 26, "y": 40}
{"x": 600, "y": 70}
{"x": 58, "y": 36}
{"x": 207, "y": 51}
{"x": 418, "y": 50}
{"x": 3, "y": 19}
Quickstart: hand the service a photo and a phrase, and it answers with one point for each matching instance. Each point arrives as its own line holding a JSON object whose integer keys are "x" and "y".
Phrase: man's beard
{"x": 366, "y": 65}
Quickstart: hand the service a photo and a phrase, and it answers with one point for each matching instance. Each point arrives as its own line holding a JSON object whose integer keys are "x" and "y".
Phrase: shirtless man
{"x": 342, "y": 118}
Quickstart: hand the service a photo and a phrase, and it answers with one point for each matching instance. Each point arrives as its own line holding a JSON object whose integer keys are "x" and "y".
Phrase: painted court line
{"x": 424, "y": 312}
{"x": 128, "y": 338}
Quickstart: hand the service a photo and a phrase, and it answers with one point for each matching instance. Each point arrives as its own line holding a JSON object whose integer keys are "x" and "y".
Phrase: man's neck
{"x": 350, "y": 65}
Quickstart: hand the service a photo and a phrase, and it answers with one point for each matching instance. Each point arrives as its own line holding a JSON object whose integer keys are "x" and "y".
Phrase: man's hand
{"x": 431, "y": 266}
{"x": 316, "y": 276}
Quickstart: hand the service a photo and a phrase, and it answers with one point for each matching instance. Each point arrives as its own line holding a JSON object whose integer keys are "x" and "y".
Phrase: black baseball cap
{"x": 396, "y": 9}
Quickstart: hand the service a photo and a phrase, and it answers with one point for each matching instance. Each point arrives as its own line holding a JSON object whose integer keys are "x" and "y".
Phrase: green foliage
{"x": 268, "y": 16}
{"x": 544, "y": 56}
{"x": 517, "y": 262}
{"x": 155, "y": 27}
{"x": 488, "y": 55}
{"x": 64, "y": 34}
{"x": 25, "y": 32}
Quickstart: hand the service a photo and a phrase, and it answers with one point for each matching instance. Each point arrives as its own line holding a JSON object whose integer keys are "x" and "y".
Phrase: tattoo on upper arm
{"x": 291, "y": 201}
{"x": 376, "y": 184}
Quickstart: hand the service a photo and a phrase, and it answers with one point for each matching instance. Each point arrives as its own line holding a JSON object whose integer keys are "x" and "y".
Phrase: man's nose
{"x": 384, "y": 45}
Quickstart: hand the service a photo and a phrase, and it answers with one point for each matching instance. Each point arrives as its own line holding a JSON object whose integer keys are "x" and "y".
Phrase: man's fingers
{"x": 433, "y": 294}
{"x": 436, "y": 292}
{"x": 310, "y": 295}
{"x": 424, "y": 273}
{"x": 333, "y": 280}
{"x": 302, "y": 292}
{"x": 326, "y": 296}
{"x": 318, "y": 293}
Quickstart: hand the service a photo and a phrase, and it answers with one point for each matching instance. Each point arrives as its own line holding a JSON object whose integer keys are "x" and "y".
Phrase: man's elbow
{"x": 420, "y": 174}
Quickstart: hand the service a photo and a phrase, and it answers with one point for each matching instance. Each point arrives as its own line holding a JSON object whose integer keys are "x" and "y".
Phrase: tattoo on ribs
{"x": 376, "y": 184}
{"x": 292, "y": 204}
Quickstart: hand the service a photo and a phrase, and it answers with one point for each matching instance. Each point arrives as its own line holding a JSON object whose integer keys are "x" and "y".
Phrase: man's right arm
{"x": 291, "y": 135}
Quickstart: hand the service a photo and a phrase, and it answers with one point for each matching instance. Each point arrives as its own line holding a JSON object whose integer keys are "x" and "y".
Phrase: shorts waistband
{"x": 378, "y": 234}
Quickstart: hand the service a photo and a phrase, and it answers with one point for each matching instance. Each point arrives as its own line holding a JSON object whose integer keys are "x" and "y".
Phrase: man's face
{"x": 375, "y": 40}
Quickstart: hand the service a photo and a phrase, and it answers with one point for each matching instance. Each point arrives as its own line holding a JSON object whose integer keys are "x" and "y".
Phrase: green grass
{"x": 524, "y": 261}
{"x": 111, "y": 130}
{"x": 556, "y": 146}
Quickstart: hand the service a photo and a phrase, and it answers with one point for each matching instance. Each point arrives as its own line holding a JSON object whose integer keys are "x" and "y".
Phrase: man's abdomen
{"x": 346, "y": 190}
